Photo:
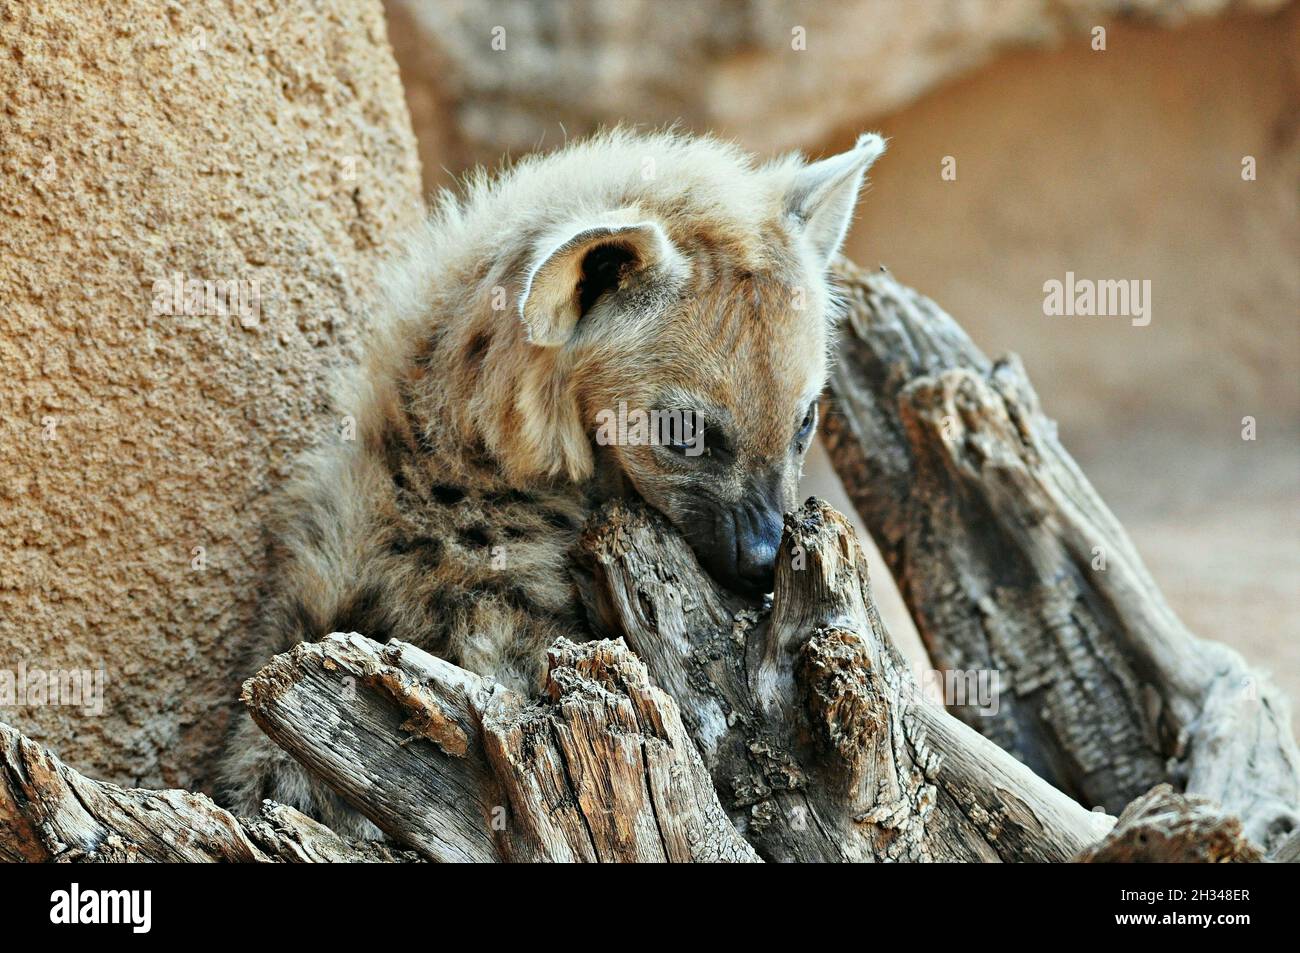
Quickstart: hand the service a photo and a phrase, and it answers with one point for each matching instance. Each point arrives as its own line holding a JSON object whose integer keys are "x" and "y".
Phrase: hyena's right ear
{"x": 580, "y": 264}
{"x": 822, "y": 197}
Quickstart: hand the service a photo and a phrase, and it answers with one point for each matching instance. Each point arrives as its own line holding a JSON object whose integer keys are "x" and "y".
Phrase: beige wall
{"x": 219, "y": 142}
{"x": 1117, "y": 164}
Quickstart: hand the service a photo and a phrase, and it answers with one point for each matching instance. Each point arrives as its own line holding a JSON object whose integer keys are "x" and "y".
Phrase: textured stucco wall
{"x": 247, "y": 141}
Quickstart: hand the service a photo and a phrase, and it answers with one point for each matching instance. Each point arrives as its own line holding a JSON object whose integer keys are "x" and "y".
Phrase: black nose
{"x": 739, "y": 548}
{"x": 758, "y": 536}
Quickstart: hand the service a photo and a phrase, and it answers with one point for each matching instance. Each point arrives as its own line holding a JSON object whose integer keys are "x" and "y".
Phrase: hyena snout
{"x": 741, "y": 553}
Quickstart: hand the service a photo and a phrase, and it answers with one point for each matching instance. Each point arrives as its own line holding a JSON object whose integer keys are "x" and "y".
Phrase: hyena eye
{"x": 683, "y": 434}
{"x": 683, "y": 449}
{"x": 806, "y": 427}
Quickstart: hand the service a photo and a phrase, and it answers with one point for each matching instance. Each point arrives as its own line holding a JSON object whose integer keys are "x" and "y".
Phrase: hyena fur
{"x": 664, "y": 271}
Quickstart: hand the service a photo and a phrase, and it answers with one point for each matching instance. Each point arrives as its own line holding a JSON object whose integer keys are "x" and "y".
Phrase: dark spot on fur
{"x": 474, "y": 536}
{"x": 363, "y": 613}
{"x": 427, "y": 550}
{"x": 478, "y": 456}
{"x": 515, "y": 596}
{"x": 303, "y": 624}
{"x": 515, "y": 532}
{"x": 447, "y": 609}
{"x": 447, "y": 495}
{"x": 558, "y": 520}
{"x": 476, "y": 351}
{"x": 395, "y": 456}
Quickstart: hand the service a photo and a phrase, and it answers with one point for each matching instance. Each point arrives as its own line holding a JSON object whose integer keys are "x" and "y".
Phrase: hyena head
{"x": 683, "y": 320}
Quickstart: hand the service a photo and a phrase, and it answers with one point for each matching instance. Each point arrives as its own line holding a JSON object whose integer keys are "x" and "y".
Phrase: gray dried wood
{"x": 1009, "y": 560}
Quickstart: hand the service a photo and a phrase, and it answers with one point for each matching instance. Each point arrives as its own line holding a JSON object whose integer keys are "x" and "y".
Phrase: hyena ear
{"x": 824, "y": 194}
{"x": 584, "y": 263}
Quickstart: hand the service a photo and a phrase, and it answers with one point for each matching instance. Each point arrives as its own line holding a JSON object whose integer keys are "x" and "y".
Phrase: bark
{"x": 1163, "y": 827}
{"x": 50, "y": 813}
{"x": 805, "y": 718}
{"x": 1009, "y": 561}
{"x": 457, "y": 768}
{"x": 816, "y": 736}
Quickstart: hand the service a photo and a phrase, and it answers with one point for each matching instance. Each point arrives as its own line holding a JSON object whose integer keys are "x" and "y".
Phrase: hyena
{"x": 661, "y": 271}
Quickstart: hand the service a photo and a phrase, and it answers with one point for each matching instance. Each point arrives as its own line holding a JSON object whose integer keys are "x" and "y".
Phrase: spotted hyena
{"x": 533, "y": 325}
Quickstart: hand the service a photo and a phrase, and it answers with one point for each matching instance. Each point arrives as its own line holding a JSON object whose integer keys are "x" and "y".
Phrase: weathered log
{"x": 457, "y": 768}
{"x": 1287, "y": 851}
{"x": 442, "y": 760}
{"x": 50, "y": 813}
{"x": 816, "y": 735}
{"x": 1163, "y": 827}
{"x": 1009, "y": 561}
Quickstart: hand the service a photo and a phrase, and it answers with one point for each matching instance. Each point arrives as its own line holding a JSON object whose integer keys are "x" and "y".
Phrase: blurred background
{"x": 286, "y": 145}
{"x": 1122, "y": 162}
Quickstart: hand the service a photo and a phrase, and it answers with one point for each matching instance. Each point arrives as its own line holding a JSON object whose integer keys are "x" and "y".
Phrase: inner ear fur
{"x": 584, "y": 265}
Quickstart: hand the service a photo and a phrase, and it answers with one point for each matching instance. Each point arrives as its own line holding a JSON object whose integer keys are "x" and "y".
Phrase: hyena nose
{"x": 758, "y": 536}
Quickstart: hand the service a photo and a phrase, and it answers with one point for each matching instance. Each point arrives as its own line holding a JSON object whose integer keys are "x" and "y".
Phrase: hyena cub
{"x": 656, "y": 273}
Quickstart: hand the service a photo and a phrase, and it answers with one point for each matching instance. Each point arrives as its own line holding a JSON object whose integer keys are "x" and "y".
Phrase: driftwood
{"x": 805, "y": 716}
{"x": 50, "y": 813}
{"x": 1009, "y": 561}
{"x": 816, "y": 735}
{"x": 447, "y": 763}
{"x": 789, "y": 731}
{"x": 1163, "y": 827}
{"x": 459, "y": 769}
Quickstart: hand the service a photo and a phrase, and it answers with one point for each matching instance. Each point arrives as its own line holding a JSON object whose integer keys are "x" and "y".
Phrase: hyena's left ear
{"x": 824, "y": 194}
{"x": 582, "y": 263}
